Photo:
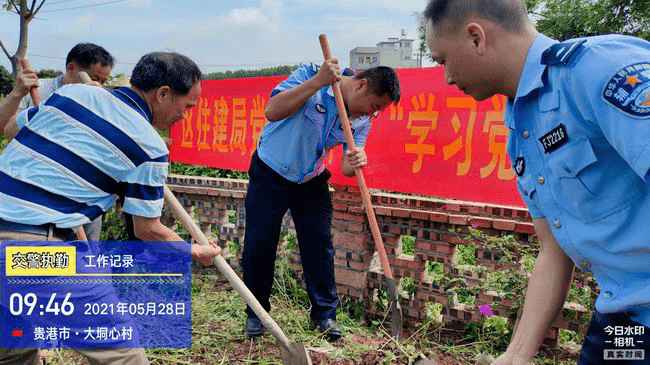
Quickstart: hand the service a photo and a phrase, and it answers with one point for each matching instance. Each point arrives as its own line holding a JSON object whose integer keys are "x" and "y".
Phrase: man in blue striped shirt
{"x": 87, "y": 57}
{"x": 82, "y": 147}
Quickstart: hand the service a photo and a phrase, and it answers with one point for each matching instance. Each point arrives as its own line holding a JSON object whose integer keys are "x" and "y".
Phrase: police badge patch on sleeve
{"x": 629, "y": 90}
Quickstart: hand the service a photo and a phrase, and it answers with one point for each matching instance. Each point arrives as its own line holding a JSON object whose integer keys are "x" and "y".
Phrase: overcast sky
{"x": 217, "y": 34}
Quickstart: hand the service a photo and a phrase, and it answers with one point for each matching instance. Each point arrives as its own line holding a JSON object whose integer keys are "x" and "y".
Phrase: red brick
{"x": 400, "y": 261}
{"x": 525, "y": 228}
{"x": 458, "y": 219}
{"x": 503, "y": 224}
{"x": 453, "y": 239}
{"x": 339, "y": 187}
{"x": 339, "y": 225}
{"x": 452, "y": 207}
{"x": 353, "y": 188}
{"x": 402, "y": 213}
{"x": 422, "y": 245}
{"x": 412, "y": 312}
{"x": 238, "y": 194}
{"x": 484, "y": 298}
{"x": 354, "y": 241}
{"x": 415, "y": 265}
{"x": 394, "y": 229}
{"x": 480, "y": 222}
{"x": 439, "y": 217}
{"x": 340, "y": 262}
{"x": 346, "y": 197}
{"x": 422, "y": 295}
{"x": 444, "y": 248}
{"x": 475, "y": 209}
{"x": 355, "y": 227}
{"x": 420, "y": 214}
{"x": 356, "y": 293}
{"x": 356, "y": 209}
{"x": 338, "y": 215}
{"x": 340, "y": 206}
{"x": 361, "y": 266}
{"x": 383, "y": 211}
{"x": 353, "y": 278}
{"x": 353, "y": 217}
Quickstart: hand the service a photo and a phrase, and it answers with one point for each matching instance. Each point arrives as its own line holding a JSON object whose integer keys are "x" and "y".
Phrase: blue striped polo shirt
{"x": 78, "y": 150}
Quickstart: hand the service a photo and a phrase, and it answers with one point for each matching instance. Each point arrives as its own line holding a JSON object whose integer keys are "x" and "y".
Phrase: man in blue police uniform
{"x": 579, "y": 120}
{"x": 287, "y": 172}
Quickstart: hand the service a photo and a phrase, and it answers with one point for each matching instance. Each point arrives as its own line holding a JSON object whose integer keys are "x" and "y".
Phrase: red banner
{"x": 436, "y": 141}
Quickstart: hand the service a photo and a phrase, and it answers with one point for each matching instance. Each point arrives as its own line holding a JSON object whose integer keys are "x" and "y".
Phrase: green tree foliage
{"x": 270, "y": 71}
{"x": 565, "y": 19}
{"x": 6, "y": 83}
{"x": 48, "y": 74}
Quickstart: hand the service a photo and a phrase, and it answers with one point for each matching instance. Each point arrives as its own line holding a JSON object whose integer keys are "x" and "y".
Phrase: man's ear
{"x": 476, "y": 34}
{"x": 361, "y": 84}
{"x": 163, "y": 93}
{"x": 72, "y": 68}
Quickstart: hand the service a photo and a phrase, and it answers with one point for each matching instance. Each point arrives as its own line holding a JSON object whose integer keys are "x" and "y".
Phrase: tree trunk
{"x": 25, "y": 17}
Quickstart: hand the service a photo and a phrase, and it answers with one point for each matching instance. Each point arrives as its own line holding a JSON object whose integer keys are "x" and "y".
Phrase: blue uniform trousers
{"x": 601, "y": 338}
{"x": 268, "y": 198}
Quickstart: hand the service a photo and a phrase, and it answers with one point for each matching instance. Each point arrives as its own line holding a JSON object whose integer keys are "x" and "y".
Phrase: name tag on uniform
{"x": 554, "y": 139}
{"x": 520, "y": 166}
{"x": 321, "y": 109}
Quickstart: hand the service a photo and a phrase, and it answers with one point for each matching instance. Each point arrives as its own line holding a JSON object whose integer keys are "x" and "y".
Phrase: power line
{"x": 200, "y": 65}
{"x": 82, "y": 6}
{"x": 58, "y": 2}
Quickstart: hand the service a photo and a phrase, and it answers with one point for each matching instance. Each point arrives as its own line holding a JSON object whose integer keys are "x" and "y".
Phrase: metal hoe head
{"x": 395, "y": 308}
{"x": 296, "y": 354}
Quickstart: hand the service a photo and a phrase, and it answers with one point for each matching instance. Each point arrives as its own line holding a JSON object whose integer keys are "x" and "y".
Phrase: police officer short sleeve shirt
{"x": 579, "y": 140}
{"x": 297, "y": 146}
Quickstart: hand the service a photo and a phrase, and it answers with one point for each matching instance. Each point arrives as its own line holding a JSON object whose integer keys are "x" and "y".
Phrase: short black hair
{"x": 171, "y": 69}
{"x": 88, "y": 54}
{"x": 382, "y": 80}
{"x": 512, "y": 15}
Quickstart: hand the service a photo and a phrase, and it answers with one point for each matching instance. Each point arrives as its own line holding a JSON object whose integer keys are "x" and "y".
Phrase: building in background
{"x": 395, "y": 52}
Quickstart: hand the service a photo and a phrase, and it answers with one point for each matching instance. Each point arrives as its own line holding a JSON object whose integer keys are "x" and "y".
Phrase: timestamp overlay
{"x": 107, "y": 294}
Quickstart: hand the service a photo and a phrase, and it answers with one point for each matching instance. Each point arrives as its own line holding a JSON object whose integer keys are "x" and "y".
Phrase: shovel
{"x": 396, "y": 309}
{"x": 291, "y": 353}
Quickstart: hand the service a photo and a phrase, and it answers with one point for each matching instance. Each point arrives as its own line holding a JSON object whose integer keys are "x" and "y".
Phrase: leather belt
{"x": 66, "y": 234}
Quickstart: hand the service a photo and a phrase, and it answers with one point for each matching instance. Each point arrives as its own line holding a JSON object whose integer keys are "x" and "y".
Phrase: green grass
{"x": 218, "y": 315}
{"x": 408, "y": 245}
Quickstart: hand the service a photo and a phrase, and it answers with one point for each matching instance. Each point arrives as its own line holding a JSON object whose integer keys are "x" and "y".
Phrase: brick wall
{"x": 438, "y": 227}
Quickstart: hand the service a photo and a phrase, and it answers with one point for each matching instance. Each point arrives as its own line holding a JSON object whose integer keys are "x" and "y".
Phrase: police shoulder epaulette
{"x": 562, "y": 53}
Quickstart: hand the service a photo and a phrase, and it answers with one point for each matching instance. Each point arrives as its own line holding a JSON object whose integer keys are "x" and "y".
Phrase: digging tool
{"x": 35, "y": 94}
{"x": 85, "y": 79}
{"x": 396, "y": 309}
{"x": 291, "y": 353}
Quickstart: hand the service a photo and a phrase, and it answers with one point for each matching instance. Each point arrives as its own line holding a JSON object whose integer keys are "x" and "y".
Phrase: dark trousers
{"x": 268, "y": 198}
{"x": 603, "y": 328}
